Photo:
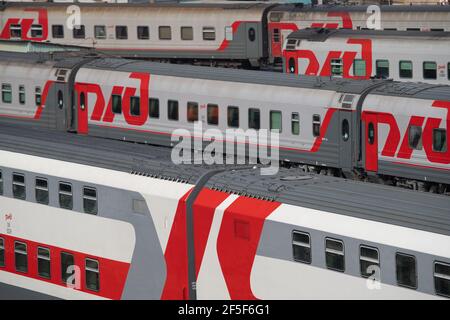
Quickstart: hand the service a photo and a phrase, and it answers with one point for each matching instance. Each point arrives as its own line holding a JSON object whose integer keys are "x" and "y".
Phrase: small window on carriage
{"x": 439, "y": 140}
{"x": 187, "y": 33}
{"x": 233, "y": 116}
{"x": 254, "y": 119}
{"x": 6, "y": 93}
{"x": 441, "y": 279}
{"x": 371, "y": 133}
{"x": 143, "y": 32}
{"x": 276, "y": 35}
{"x": 436, "y": 29}
{"x": 369, "y": 259}
{"x": 15, "y": 31}
{"x": 212, "y": 113}
{"x": 43, "y": 258}
{"x": 37, "y": 96}
{"x": 41, "y": 191}
{"x": 20, "y": 256}
{"x": 79, "y": 32}
{"x": 36, "y": 31}
{"x": 448, "y": 71}
{"x": 406, "y": 270}
{"x": 57, "y": 31}
{"x": 412, "y": 29}
{"x": 295, "y": 123}
{"x": 337, "y": 68}
{"x": 22, "y": 94}
{"x": 65, "y": 195}
{"x": 192, "y": 111}
{"x": 382, "y": 67}
{"x": 209, "y": 33}
{"x": 316, "y": 125}
{"x": 359, "y": 68}
{"x": 121, "y": 32}
{"x": 291, "y": 64}
{"x": 251, "y": 34}
{"x": 334, "y": 254}
{"x": 19, "y": 191}
{"x": 67, "y": 265}
{"x": 116, "y": 103}
{"x": 406, "y": 69}
{"x": 301, "y": 246}
{"x": 153, "y": 107}
{"x": 165, "y": 33}
{"x": 100, "y": 32}
{"x": 172, "y": 110}
{"x": 415, "y": 137}
{"x": 92, "y": 275}
{"x": 276, "y": 121}
{"x": 1, "y": 182}
{"x": 90, "y": 200}
{"x": 135, "y": 106}
{"x": 2, "y": 252}
{"x": 429, "y": 70}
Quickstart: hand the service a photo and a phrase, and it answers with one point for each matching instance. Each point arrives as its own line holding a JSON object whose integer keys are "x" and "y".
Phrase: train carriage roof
{"x": 362, "y": 8}
{"x": 422, "y": 211}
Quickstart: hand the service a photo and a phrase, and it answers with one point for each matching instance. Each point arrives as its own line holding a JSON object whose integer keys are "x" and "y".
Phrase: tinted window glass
{"x": 440, "y": 140}
{"x": 371, "y": 133}
{"x": 121, "y": 32}
{"x": 209, "y": 33}
{"x": 275, "y": 120}
{"x": 41, "y": 191}
{"x": 382, "y": 67}
{"x": 192, "y": 111}
{"x": 92, "y": 275}
{"x": 65, "y": 196}
{"x": 165, "y": 33}
{"x": 100, "y": 32}
{"x": 153, "y": 108}
{"x": 6, "y": 93}
{"x": 20, "y": 256}
{"x": 19, "y": 186}
{"x": 22, "y": 94}
{"x": 254, "y": 119}
{"x": 334, "y": 254}
{"x": 2, "y": 252}
{"x": 57, "y": 31}
{"x": 233, "y": 117}
{"x": 316, "y": 125}
{"x": 78, "y": 33}
{"x": 359, "y": 68}
{"x": 442, "y": 279}
{"x": 213, "y": 114}
{"x": 406, "y": 69}
{"x": 44, "y": 262}
{"x": 116, "y": 103}
{"x": 143, "y": 33}
{"x": 172, "y": 109}
{"x": 36, "y": 31}
{"x": 90, "y": 200}
{"x": 301, "y": 246}
{"x": 415, "y": 137}
{"x": 368, "y": 259}
{"x": 295, "y": 123}
{"x": 67, "y": 263}
{"x": 406, "y": 270}
{"x": 187, "y": 33}
{"x": 135, "y": 106}
{"x": 251, "y": 34}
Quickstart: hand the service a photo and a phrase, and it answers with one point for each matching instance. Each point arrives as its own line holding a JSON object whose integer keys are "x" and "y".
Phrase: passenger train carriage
{"x": 368, "y": 129}
{"x": 226, "y": 33}
{"x": 363, "y": 54}
{"x": 204, "y": 232}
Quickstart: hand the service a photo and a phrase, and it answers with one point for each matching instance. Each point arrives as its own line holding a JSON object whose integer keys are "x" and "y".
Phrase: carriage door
{"x": 252, "y": 32}
{"x": 62, "y": 102}
{"x": 346, "y": 139}
{"x": 82, "y": 106}
{"x": 371, "y": 141}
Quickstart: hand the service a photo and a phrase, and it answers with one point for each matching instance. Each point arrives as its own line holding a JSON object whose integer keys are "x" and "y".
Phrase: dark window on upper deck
{"x": 79, "y": 32}
{"x": 57, "y": 31}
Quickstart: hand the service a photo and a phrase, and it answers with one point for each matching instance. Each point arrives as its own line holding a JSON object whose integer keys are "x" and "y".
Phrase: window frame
{"x": 25, "y": 253}
{"x": 445, "y": 143}
{"x": 316, "y": 124}
{"x": 97, "y": 35}
{"x": 133, "y": 105}
{"x": 377, "y": 67}
{"x": 160, "y": 32}
{"x": 15, "y": 27}
{"x": 64, "y": 272}
{"x": 419, "y": 143}
{"x": 281, "y": 120}
{"x": 20, "y": 184}
{"x": 49, "y": 259}
{"x": 2, "y": 252}
{"x": 189, "y": 106}
{"x": 208, "y": 119}
{"x": 182, "y": 28}
{"x": 208, "y": 30}
{"x": 116, "y": 97}
{"x": 65, "y": 193}
{"x": 139, "y": 34}
{"x": 37, "y": 96}
{"x": 302, "y": 244}
{"x": 44, "y": 189}
{"x": 90, "y": 198}
{"x": 229, "y": 123}
{"x": 337, "y": 62}
{"x": 150, "y": 107}
{"x": 400, "y": 69}
{"x": 368, "y": 259}
{"x": 82, "y": 34}
{"x": 89, "y": 269}
{"x": 435, "y": 70}
{"x": 257, "y": 111}
{"x": 333, "y": 251}
{"x": 58, "y": 27}
{"x": 175, "y": 104}
{"x": 22, "y": 94}
{"x": 36, "y": 28}
{"x": 441, "y": 276}
{"x": 123, "y": 34}
{"x": 415, "y": 269}
{"x": 355, "y": 61}
{"x": 7, "y": 88}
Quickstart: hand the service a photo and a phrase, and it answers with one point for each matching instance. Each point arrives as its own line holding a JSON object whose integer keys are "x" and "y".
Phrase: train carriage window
{"x": 58, "y": 31}
{"x": 90, "y": 200}
{"x": 415, "y": 137}
{"x": 276, "y": 121}
{"x": 439, "y": 140}
{"x": 143, "y": 32}
{"x": 67, "y": 266}
{"x": 36, "y": 31}
{"x": 6, "y": 93}
{"x": 337, "y": 69}
{"x": 135, "y": 106}
{"x": 316, "y": 125}
{"x": 359, "y": 68}
{"x": 41, "y": 191}
{"x": 371, "y": 133}
{"x": 442, "y": 279}
{"x": 60, "y": 100}
{"x": 406, "y": 270}
{"x": 187, "y": 33}
{"x": 153, "y": 108}
{"x": 295, "y": 123}
{"x": 291, "y": 64}
{"x": 79, "y": 32}
{"x": 233, "y": 116}
{"x": 192, "y": 111}
{"x": 412, "y": 29}
{"x": 2, "y": 252}
{"x": 382, "y": 69}
{"x": 19, "y": 191}
{"x": 22, "y": 94}
{"x": 43, "y": 262}
{"x": 209, "y": 33}
{"x": 301, "y": 246}
{"x": 448, "y": 71}
{"x": 212, "y": 114}
{"x": 429, "y": 70}
{"x": 116, "y": 103}
{"x": 251, "y": 34}
{"x": 254, "y": 120}
{"x": 1, "y": 182}
{"x": 20, "y": 256}
{"x": 15, "y": 31}
{"x": 121, "y": 32}
{"x": 406, "y": 69}
{"x": 92, "y": 275}
{"x": 65, "y": 195}
{"x": 369, "y": 259}
{"x": 345, "y": 130}
{"x": 436, "y": 29}
{"x": 334, "y": 254}
{"x": 37, "y": 96}
{"x": 172, "y": 110}
{"x": 165, "y": 33}
{"x": 100, "y": 32}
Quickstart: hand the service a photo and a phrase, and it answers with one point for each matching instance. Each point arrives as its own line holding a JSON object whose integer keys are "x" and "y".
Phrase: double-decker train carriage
{"x": 371, "y": 129}
{"x": 238, "y": 34}
{"x": 202, "y": 232}
{"x": 362, "y": 54}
